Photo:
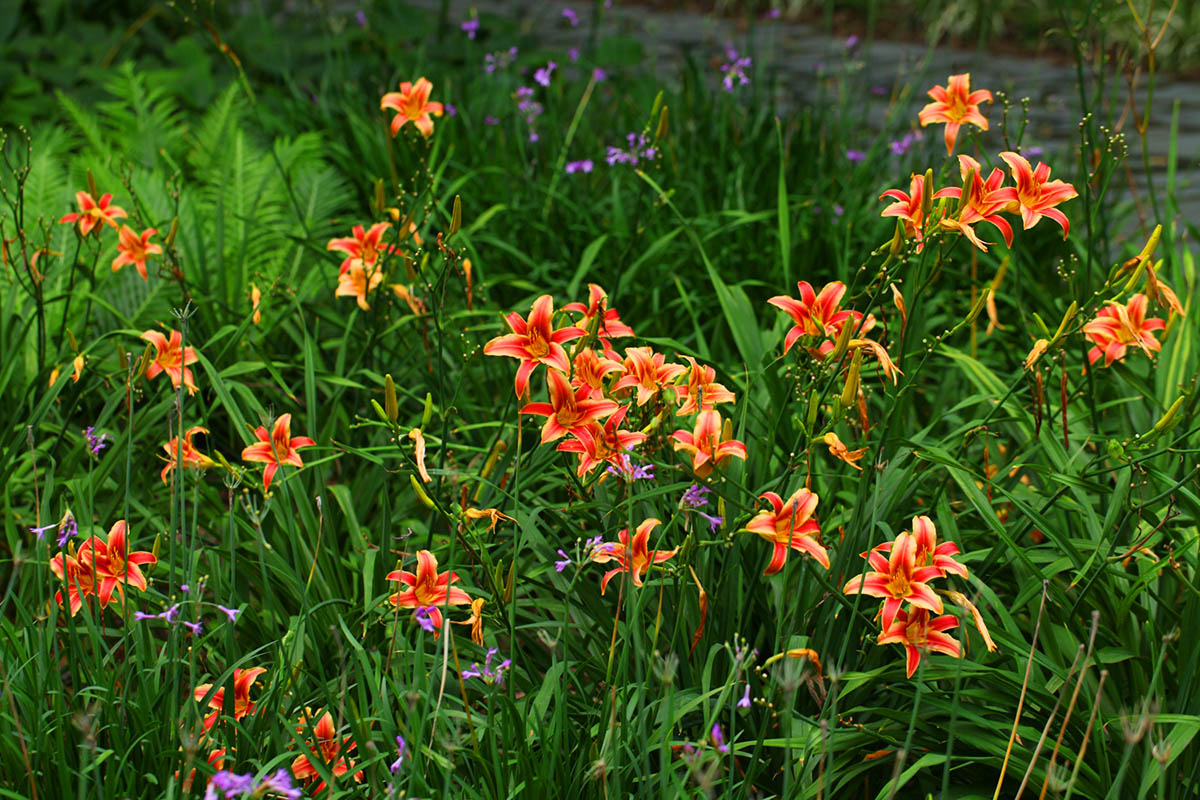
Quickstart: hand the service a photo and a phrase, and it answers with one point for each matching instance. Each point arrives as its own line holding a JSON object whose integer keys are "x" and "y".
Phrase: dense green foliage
{"x": 250, "y": 142}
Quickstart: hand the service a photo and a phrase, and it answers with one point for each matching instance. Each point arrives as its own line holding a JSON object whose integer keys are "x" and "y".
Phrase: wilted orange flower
{"x": 418, "y": 439}
{"x": 363, "y": 246}
{"x": 710, "y": 443}
{"x": 255, "y": 304}
{"x": 427, "y": 589}
{"x": 956, "y": 105}
{"x": 359, "y": 281}
{"x": 919, "y": 634}
{"x": 172, "y": 359}
{"x": 890, "y": 370}
{"x": 590, "y": 370}
{"x": 476, "y": 618}
{"x": 534, "y": 342}
{"x": 93, "y": 214}
{"x": 838, "y": 450}
{"x": 898, "y": 580}
{"x": 1039, "y": 347}
{"x": 1159, "y": 292}
{"x": 596, "y": 444}
{"x": 647, "y": 372}
{"x": 192, "y": 458}
{"x": 276, "y": 448}
{"x": 326, "y": 746}
{"x": 412, "y": 104}
{"x": 702, "y": 391}
{"x": 77, "y": 368}
{"x": 1117, "y": 326}
{"x": 493, "y": 515}
{"x": 608, "y": 326}
{"x": 633, "y": 557}
{"x": 415, "y": 304}
{"x": 134, "y": 249}
{"x": 819, "y": 315}
{"x": 569, "y": 410}
{"x": 789, "y": 524}
{"x": 243, "y": 679}
{"x": 1036, "y": 193}
{"x": 985, "y": 200}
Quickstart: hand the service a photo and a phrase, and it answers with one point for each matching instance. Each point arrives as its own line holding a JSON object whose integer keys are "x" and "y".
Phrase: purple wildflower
{"x": 571, "y": 17}
{"x": 573, "y": 54}
{"x": 490, "y": 120}
{"x": 232, "y": 613}
{"x": 639, "y": 149}
{"x": 423, "y": 618}
{"x": 745, "y": 701}
{"x": 183, "y": 587}
{"x": 713, "y": 522}
{"x": 451, "y": 110}
{"x": 599, "y": 75}
{"x": 230, "y": 784}
{"x": 696, "y": 496}
{"x": 559, "y": 566}
{"x": 904, "y": 143}
{"x": 718, "y": 738}
{"x": 470, "y": 27}
{"x": 851, "y": 43}
{"x": 855, "y": 155}
{"x": 68, "y": 528}
{"x": 579, "y": 166}
{"x": 361, "y": 17}
{"x": 194, "y": 627}
{"x": 542, "y": 74}
{"x": 486, "y": 672}
{"x": 402, "y": 750}
{"x": 734, "y": 69}
{"x": 838, "y": 210}
{"x": 501, "y": 59}
{"x": 171, "y": 613}
{"x": 630, "y": 471}
{"x": 139, "y": 616}
{"x": 1034, "y": 152}
{"x": 281, "y": 784}
{"x": 96, "y": 441}
{"x": 774, "y": 13}
{"x": 879, "y": 91}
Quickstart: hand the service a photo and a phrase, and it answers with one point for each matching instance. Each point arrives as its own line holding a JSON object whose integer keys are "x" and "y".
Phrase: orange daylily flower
{"x": 819, "y": 315}
{"x": 92, "y": 213}
{"x": 427, "y": 589}
{"x": 192, "y": 458}
{"x": 412, "y": 104}
{"x": 890, "y": 370}
{"x": 919, "y": 634}
{"x": 609, "y": 325}
{"x": 985, "y": 200}
{"x": 839, "y": 450}
{"x": 534, "y": 342}
{"x": 363, "y": 246}
{"x": 134, "y": 249}
{"x": 897, "y": 580}
{"x": 648, "y": 372}
{"x": 326, "y": 746}
{"x": 415, "y": 304}
{"x": 359, "y": 281}
{"x": 243, "y": 679}
{"x": 633, "y": 557}
{"x": 789, "y": 524}
{"x": 1036, "y": 193}
{"x": 710, "y": 443}
{"x": 956, "y": 105}
{"x": 1117, "y": 326}
{"x": 928, "y": 551}
{"x": 172, "y": 359}
{"x": 79, "y": 577}
{"x": 590, "y": 370}
{"x": 569, "y": 410}
{"x": 909, "y": 207}
{"x": 101, "y": 568}
{"x": 276, "y": 448}
{"x": 596, "y": 444}
{"x": 702, "y": 391}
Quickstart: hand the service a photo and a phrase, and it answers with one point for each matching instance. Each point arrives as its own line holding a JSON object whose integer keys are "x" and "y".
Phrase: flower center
{"x": 537, "y": 347}
{"x": 898, "y": 585}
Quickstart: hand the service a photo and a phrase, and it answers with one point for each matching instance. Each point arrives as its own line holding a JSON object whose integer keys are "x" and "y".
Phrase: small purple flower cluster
{"x": 530, "y": 108}
{"x": 68, "y": 529}
{"x": 905, "y": 142}
{"x": 471, "y": 27}
{"x": 639, "y": 149}
{"x": 571, "y": 17}
{"x": 580, "y": 166}
{"x": 630, "y": 471}
{"x": 95, "y": 441}
{"x": 490, "y": 676}
{"x": 423, "y": 619}
{"x": 229, "y": 785}
{"x": 734, "y": 69}
{"x": 696, "y": 497}
{"x": 542, "y": 74}
{"x": 501, "y": 59}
